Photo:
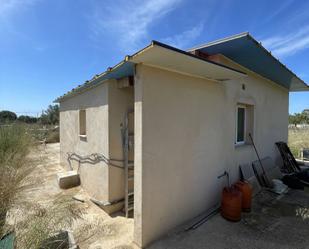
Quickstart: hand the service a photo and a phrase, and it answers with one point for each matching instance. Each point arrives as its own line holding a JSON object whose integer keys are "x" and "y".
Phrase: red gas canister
{"x": 246, "y": 190}
{"x": 231, "y": 204}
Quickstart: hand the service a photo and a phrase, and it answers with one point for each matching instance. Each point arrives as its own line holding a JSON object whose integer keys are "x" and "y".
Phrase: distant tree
{"x": 304, "y": 118}
{"x": 306, "y": 112}
{"x": 306, "y": 115}
{"x": 7, "y": 116}
{"x": 51, "y": 115}
{"x": 299, "y": 118}
{"x": 27, "y": 119}
{"x": 292, "y": 120}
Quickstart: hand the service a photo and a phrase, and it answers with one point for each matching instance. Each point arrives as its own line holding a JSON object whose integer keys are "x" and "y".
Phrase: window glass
{"x": 240, "y": 124}
{"x": 82, "y": 122}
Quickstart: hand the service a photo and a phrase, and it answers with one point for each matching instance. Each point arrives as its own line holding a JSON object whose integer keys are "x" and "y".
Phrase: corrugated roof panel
{"x": 123, "y": 69}
{"x": 246, "y": 51}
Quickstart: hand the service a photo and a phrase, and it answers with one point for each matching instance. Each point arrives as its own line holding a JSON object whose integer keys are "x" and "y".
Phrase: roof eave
{"x": 304, "y": 86}
{"x": 277, "y": 60}
{"x": 130, "y": 58}
{"x": 208, "y": 44}
{"x": 88, "y": 84}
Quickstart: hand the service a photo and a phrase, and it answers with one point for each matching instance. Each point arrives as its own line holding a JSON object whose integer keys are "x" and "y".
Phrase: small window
{"x": 241, "y": 124}
{"x": 82, "y": 122}
{"x": 244, "y": 123}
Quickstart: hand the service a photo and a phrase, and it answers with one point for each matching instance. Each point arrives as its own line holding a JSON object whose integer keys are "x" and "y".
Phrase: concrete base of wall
{"x": 108, "y": 207}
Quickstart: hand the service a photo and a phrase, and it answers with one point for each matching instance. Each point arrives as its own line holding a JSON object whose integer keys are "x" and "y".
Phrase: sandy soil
{"x": 96, "y": 229}
{"x": 274, "y": 222}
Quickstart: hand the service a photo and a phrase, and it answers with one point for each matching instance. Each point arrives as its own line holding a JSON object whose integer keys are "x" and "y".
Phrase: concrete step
{"x": 68, "y": 179}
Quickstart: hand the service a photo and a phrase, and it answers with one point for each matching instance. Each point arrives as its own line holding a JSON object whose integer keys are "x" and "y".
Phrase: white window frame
{"x": 245, "y": 122}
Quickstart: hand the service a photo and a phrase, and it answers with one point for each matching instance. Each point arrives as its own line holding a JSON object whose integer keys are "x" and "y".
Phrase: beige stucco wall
{"x": 94, "y": 178}
{"x": 120, "y": 100}
{"x": 184, "y": 138}
{"x": 105, "y": 107}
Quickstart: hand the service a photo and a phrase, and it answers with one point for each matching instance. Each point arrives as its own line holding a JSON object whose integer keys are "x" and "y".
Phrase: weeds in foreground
{"x": 15, "y": 166}
{"x": 45, "y": 222}
{"x": 53, "y": 136}
{"x": 38, "y": 221}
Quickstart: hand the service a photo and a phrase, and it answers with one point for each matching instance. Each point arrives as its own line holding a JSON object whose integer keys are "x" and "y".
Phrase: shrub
{"x": 27, "y": 119}
{"x": 51, "y": 115}
{"x": 53, "y": 136}
{"x": 39, "y": 223}
{"x": 7, "y": 117}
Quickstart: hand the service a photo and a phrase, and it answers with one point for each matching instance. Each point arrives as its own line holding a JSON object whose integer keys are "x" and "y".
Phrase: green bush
{"x": 7, "y": 117}
{"x": 27, "y": 119}
{"x": 50, "y": 116}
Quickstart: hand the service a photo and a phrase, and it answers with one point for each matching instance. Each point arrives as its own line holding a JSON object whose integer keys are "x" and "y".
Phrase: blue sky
{"x": 48, "y": 47}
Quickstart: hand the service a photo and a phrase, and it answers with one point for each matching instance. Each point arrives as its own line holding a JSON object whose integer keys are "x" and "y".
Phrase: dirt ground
{"x": 274, "y": 222}
{"x": 96, "y": 229}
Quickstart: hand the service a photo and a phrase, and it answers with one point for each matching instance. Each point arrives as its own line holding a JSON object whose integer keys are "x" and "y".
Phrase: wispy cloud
{"x": 9, "y": 11}
{"x": 185, "y": 39}
{"x": 280, "y": 10}
{"x": 129, "y": 21}
{"x": 8, "y": 7}
{"x": 285, "y": 45}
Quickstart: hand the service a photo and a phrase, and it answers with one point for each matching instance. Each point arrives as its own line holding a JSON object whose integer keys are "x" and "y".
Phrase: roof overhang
{"x": 165, "y": 57}
{"x": 246, "y": 51}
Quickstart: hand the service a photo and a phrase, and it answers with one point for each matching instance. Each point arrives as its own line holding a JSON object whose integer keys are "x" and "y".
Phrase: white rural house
{"x": 160, "y": 126}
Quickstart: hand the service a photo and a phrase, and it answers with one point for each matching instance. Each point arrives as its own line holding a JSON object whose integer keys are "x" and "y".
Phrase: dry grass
{"x": 298, "y": 138}
{"x": 15, "y": 167}
{"x": 53, "y": 136}
{"x": 35, "y": 222}
{"x": 45, "y": 221}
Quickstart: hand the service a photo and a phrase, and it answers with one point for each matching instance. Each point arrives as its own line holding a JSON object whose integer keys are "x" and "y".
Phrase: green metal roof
{"x": 248, "y": 52}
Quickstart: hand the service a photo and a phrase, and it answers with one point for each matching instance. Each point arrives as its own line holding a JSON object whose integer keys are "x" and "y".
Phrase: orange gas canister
{"x": 246, "y": 190}
{"x": 231, "y": 204}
